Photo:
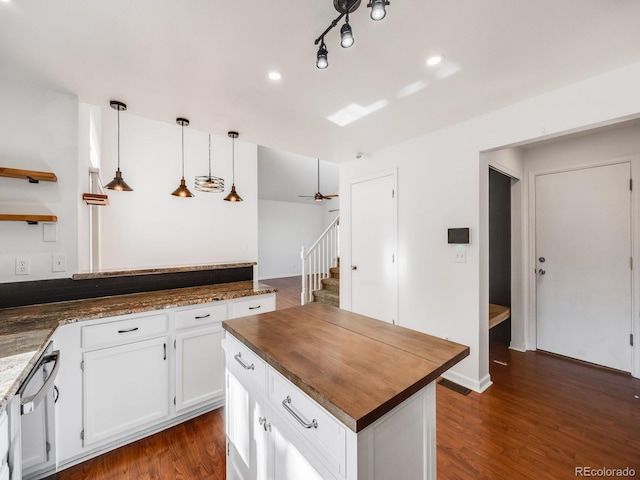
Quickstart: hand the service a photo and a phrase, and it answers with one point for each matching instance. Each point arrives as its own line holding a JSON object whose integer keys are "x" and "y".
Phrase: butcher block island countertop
{"x": 356, "y": 367}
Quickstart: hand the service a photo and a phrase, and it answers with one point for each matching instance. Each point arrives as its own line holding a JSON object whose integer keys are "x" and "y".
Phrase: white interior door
{"x": 583, "y": 252}
{"x": 373, "y": 248}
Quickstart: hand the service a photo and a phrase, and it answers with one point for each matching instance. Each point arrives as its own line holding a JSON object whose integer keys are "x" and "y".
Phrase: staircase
{"x": 329, "y": 292}
{"x": 321, "y": 268}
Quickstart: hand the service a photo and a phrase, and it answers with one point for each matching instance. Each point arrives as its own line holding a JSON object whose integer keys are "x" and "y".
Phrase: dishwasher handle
{"x": 29, "y": 404}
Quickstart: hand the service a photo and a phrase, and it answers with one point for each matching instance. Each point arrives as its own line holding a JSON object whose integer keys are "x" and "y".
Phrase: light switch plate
{"x": 460, "y": 256}
{"x": 59, "y": 262}
{"x": 49, "y": 232}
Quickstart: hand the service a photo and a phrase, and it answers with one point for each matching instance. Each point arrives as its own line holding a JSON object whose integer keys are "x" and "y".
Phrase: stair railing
{"x": 317, "y": 261}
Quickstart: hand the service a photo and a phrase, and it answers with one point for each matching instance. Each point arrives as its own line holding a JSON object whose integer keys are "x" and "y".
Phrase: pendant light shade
{"x": 118, "y": 182}
{"x": 182, "y": 190}
{"x": 209, "y": 183}
{"x": 233, "y": 195}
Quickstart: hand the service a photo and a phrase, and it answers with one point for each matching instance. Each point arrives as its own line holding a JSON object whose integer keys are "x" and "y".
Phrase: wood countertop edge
{"x": 355, "y": 425}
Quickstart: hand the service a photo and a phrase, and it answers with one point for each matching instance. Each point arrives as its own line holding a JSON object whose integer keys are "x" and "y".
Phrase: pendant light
{"x": 182, "y": 190}
{"x": 233, "y": 195}
{"x": 118, "y": 182}
{"x": 209, "y": 183}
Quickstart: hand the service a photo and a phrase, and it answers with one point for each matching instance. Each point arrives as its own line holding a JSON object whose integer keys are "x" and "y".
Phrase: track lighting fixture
{"x": 346, "y": 35}
{"x": 321, "y": 61}
{"x": 344, "y": 8}
{"x": 118, "y": 182}
{"x": 182, "y": 190}
{"x": 378, "y": 9}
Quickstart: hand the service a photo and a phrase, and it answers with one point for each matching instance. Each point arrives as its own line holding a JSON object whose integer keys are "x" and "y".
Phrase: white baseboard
{"x": 517, "y": 347}
{"x": 284, "y": 275}
{"x": 478, "y": 386}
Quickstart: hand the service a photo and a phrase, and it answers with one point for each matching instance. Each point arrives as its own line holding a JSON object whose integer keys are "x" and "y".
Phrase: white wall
{"x": 149, "y": 227}
{"x": 283, "y": 228}
{"x": 39, "y": 132}
{"x": 442, "y": 183}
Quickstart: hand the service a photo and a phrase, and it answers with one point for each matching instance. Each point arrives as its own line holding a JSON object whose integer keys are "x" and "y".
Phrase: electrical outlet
{"x": 22, "y": 265}
{"x": 460, "y": 256}
{"x": 59, "y": 262}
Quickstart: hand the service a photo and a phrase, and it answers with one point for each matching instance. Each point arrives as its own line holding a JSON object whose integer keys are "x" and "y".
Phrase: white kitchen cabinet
{"x": 253, "y": 305}
{"x": 199, "y": 367}
{"x": 277, "y": 432}
{"x": 125, "y": 388}
{"x": 14, "y": 460}
{"x": 115, "y": 385}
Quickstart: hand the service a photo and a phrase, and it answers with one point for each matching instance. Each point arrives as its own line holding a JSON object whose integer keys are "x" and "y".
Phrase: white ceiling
{"x": 208, "y": 60}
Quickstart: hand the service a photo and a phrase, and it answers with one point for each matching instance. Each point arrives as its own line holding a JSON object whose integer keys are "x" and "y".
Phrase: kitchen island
{"x": 319, "y": 392}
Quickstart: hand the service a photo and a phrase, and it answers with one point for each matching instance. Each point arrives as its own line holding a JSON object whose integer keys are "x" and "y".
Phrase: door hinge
{"x": 47, "y": 448}
{"x": 393, "y": 194}
{"x": 174, "y": 344}
{"x": 174, "y": 400}
{"x": 631, "y": 184}
{"x": 393, "y": 258}
{"x": 228, "y": 447}
{"x": 631, "y": 339}
{"x": 82, "y": 365}
{"x": 82, "y": 435}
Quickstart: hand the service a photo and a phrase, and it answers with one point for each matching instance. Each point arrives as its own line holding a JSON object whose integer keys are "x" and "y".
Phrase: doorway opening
{"x": 499, "y": 263}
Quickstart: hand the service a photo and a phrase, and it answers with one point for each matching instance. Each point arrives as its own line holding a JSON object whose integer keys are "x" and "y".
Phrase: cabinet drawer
{"x": 253, "y": 306}
{"x": 246, "y": 366}
{"x": 325, "y": 435}
{"x": 201, "y": 316}
{"x": 4, "y": 436}
{"x": 124, "y": 331}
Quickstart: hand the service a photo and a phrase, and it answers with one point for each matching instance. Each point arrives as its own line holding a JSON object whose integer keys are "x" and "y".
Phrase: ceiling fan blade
{"x": 331, "y": 196}
{"x": 306, "y": 196}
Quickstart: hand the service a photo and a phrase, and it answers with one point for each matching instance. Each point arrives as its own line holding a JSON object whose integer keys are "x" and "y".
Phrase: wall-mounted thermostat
{"x": 458, "y": 236}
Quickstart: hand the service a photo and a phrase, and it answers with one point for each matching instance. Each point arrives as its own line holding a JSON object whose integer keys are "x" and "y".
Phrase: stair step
{"x": 324, "y": 296}
{"x": 331, "y": 285}
{"x": 334, "y": 272}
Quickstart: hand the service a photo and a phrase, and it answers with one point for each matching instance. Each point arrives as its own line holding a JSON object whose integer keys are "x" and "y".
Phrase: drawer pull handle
{"x": 203, "y": 316}
{"x": 127, "y": 330}
{"x": 285, "y": 404}
{"x": 254, "y": 308}
{"x": 238, "y": 357}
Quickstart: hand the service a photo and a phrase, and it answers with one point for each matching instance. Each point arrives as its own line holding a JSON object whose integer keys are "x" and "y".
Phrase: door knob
{"x": 354, "y": 267}
{"x": 542, "y": 271}
{"x": 542, "y": 259}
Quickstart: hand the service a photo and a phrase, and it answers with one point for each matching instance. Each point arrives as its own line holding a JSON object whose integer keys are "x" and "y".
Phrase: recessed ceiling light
{"x": 275, "y": 75}
{"x": 435, "y": 60}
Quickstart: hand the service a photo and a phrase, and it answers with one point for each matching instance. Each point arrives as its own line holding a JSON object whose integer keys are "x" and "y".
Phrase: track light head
{"x": 378, "y": 9}
{"x": 346, "y": 35}
{"x": 321, "y": 60}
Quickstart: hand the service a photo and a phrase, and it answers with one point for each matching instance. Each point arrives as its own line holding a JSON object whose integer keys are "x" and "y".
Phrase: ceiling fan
{"x": 318, "y": 197}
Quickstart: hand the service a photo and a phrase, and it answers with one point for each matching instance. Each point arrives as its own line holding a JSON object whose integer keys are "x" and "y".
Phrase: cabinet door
{"x": 289, "y": 461}
{"x": 125, "y": 387}
{"x": 199, "y": 367}
{"x": 248, "y": 431}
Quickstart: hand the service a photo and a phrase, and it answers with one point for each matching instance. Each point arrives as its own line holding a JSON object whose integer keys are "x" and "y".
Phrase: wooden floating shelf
{"x": 31, "y": 175}
{"x": 30, "y": 219}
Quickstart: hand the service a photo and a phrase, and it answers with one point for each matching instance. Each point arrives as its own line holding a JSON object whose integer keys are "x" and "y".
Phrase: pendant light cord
{"x": 118, "y": 138}
{"x": 209, "y": 156}
{"x": 318, "y": 175}
{"x": 183, "y": 151}
{"x": 233, "y": 156}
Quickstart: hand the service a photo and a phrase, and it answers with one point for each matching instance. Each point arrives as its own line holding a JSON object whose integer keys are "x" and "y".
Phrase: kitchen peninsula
{"x": 323, "y": 393}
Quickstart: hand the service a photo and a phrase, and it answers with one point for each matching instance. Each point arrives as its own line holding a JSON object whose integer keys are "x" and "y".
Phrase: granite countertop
{"x": 356, "y": 367}
{"x": 25, "y": 331}
{"x": 160, "y": 270}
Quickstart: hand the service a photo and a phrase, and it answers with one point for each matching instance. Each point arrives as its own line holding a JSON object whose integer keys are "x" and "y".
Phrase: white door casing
{"x": 584, "y": 285}
{"x": 373, "y": 248}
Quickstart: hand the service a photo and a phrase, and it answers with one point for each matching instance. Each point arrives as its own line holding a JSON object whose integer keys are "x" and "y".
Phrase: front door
{"x": 373, "y": 248}
{"x": 583, "y": 264}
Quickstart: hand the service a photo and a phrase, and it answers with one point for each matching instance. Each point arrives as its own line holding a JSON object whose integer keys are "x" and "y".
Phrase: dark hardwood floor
{"x": 543, "y": 417}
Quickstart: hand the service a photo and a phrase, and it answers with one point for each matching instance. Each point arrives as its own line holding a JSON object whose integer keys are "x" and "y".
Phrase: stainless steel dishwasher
{"x": 38, "y": 395}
